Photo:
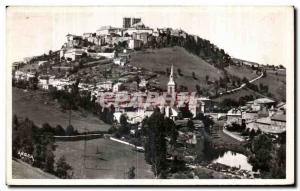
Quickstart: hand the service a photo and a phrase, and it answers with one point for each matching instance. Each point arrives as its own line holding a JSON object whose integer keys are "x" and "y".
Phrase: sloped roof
{"x": 278, "y": 117}
{"x": 281, "y": 104}
{"x": 264, "y": 101}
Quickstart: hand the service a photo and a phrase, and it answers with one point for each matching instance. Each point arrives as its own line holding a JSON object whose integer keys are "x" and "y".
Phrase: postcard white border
{"x": 290, "y": 151}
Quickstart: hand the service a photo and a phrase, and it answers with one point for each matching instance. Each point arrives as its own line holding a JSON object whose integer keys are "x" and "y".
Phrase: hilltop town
{"x": 177, "y": 119}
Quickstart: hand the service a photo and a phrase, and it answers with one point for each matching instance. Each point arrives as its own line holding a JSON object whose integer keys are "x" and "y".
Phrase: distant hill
{"x": 160, "y": 60}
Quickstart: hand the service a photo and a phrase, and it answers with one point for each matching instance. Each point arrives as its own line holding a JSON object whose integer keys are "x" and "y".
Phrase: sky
{"x": 258, "y": 34}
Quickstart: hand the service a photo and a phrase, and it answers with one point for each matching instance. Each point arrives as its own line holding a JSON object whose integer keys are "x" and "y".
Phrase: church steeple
{"x": 171, "y": 83}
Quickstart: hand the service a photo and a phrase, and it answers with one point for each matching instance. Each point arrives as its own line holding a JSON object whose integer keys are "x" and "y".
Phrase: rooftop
{"x": 263, "y": 101}
{"x": 278, "y": 117}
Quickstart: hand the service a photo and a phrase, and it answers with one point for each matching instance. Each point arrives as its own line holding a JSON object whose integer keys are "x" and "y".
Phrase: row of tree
{"x": 38, "y": 143}
{"x": 71, "y": 98}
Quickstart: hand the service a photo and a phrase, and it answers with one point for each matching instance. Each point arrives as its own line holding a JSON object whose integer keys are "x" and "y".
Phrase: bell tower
{"x": 171, "y": 83}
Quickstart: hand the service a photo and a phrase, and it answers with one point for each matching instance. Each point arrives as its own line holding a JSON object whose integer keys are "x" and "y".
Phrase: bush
{"x": 112, "y": 129}
{"x": 63, "y": 169}
{"x": 70, "y": 130}
{"x": 131, "y": 173}
{"x": 59, "y": 131}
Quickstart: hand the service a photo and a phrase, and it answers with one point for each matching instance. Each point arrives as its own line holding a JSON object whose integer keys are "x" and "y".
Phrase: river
{"x": 234, "y": 159}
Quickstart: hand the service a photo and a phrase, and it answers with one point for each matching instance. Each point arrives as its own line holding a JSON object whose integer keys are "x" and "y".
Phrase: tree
{"x": 208, "y": 122}
{"x": 194, "y": 75}
{"x": 15, "y": 122}
{"x": 264, "y": 73}
{"x": 167, "y": 71}
{"x": 185, "y": 112}
{"x": 33, "y": 82}
{"x": 63, "y": 169}
{"x": 131, "y": 173}
{"x": 261, "y": 148}
{"x": 59, "y": 131}
{"x": 245, "y": 80}
{"x": 198, "y": 89}
{"x": 177, "y": 165}
{"x": 47, "y": 129}
{"x": 70, "y": 130}
{"x": 84, "y": 55}
{"x": 171, "y": 131}
{"x": 49, "y": 159}
{"x": 190, "y": 125}
{"x": 124, "y": 129}
{"x": 179, "y": 72}
{"x": 207, "y": 78}
{"x": 252, "y": 134}
{"x": 155, "y": 143}
{"x": 278, "y": 169}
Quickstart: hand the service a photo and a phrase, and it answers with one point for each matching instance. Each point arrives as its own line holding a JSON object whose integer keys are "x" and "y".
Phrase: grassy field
{"x": 38, "y": 107}
{"x": 21, "y": 170}
{"x": 241, "y": 72}
{"x": 236, "y": 95}
{"x": 276, "y": 83}
{"x": 161, "y": 59}
{"x": 103, "y": 159}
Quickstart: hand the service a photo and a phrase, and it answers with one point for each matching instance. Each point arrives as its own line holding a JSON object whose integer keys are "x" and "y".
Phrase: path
{"x": 242, "y": 86}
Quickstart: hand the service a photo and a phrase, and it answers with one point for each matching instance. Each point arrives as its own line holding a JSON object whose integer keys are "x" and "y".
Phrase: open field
{"x": 276, "y": 84}
{"x": 38, "y": 107}
{"x": 104, "y": 159}
{"x": 22, "y": 170}
{"x": 161, "y": 59}
{"x": 241, "y": 72}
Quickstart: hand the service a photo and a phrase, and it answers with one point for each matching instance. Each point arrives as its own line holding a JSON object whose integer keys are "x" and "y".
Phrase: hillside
{"x": 159, "y": 60}
{"x": 276, "y": 81}
{"x": 22, "y": 170}
{"x": 40, "y": 108}
{"x": 241, "y": 71}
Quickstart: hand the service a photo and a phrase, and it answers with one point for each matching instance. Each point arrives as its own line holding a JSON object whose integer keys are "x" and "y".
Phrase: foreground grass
{"x": 22, "y": 170}
{"x": 103, "y": 159}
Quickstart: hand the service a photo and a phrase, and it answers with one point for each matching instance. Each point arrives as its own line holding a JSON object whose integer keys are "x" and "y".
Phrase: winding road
{"x": 242, "y": 86}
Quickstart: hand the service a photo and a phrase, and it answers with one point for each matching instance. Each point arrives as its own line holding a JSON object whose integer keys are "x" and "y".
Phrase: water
{"x": 234, "y": 159}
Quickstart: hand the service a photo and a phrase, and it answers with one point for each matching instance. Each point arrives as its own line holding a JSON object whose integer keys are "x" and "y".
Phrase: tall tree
{"x": 155, "y": 143}
{"x": 194, "y": 76}
{"x": 261, "y": 149}
{"x": 190, "y": 125}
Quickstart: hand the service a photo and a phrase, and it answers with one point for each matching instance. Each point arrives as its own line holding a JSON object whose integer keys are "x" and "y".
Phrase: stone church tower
{"x": 171, "y": 83}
